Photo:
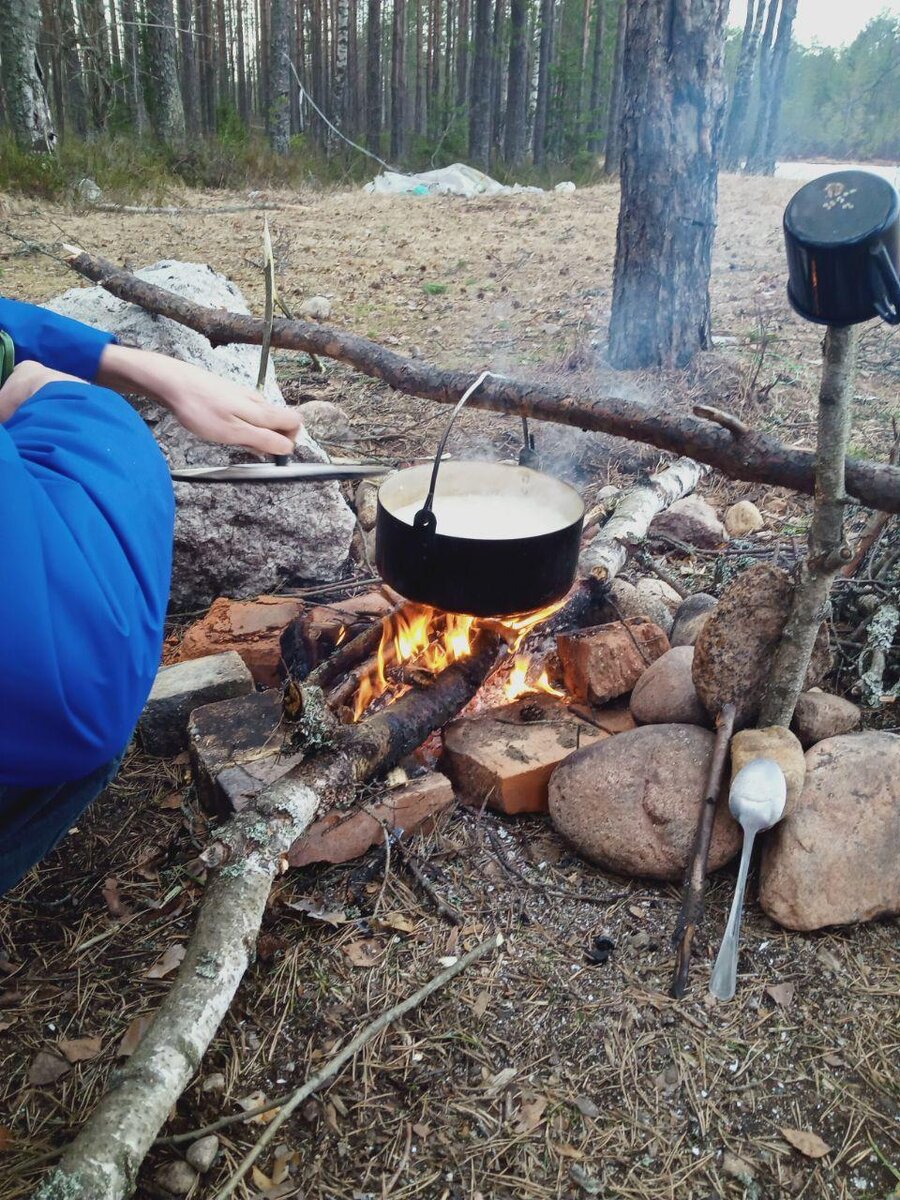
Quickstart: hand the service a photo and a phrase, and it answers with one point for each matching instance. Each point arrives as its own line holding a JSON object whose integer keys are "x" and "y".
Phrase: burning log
{"x": 104, "y": 1158}
{"x": 713, "y": 438}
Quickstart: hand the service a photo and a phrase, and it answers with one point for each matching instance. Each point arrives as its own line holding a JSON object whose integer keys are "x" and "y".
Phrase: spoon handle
{"x": 724, "y": 976}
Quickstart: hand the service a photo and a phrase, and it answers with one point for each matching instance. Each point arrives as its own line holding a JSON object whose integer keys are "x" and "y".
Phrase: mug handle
{"x": 888, "y": 306}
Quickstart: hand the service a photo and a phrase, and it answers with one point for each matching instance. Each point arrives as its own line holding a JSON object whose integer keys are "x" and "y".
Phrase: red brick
{"x": 251, "y": 627}
{"x": 506, "y": 755}
{"x": 606, "y": 661}
{"x": 341, "y": 836}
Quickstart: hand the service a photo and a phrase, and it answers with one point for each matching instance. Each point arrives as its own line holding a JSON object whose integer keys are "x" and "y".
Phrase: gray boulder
{"x": 665, "y": 693}
{"x": 230, "y": 540}
{"x": 692, "y": 615}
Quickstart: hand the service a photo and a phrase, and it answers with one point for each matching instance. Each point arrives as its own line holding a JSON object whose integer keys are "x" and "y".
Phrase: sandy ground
{"x": 615, "y": 1090}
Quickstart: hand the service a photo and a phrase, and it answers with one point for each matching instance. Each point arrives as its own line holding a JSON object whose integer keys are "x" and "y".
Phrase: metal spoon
{"x": 757, "y": 799}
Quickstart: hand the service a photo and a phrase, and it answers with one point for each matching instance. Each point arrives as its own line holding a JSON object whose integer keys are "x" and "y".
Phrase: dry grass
{"x": 617, "y": 1090}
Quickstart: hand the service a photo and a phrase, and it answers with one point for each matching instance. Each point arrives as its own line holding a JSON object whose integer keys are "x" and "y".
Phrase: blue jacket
{"x": 86, "y": 522}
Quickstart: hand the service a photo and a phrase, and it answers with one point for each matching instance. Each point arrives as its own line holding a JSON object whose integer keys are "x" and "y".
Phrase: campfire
{"x": 419, "y": 642}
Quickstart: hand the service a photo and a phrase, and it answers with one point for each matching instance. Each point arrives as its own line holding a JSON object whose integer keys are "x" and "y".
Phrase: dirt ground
{"x": 539, "y": 1073}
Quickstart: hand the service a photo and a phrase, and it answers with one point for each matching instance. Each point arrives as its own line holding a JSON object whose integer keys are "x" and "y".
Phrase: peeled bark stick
{"x": 828, "y": 551}
{"x": 746, "y": 455}
{"x": 607, "y": 553}
{"x": 103, "y": 1161}
{"x": 695, "y": 879}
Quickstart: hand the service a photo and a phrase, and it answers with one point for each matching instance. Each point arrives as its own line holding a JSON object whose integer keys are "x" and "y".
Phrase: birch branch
{"x": 607, "y": 553}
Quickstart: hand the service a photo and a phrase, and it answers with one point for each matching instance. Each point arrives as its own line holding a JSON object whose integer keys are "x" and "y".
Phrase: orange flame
{"x": 424, "y": 641}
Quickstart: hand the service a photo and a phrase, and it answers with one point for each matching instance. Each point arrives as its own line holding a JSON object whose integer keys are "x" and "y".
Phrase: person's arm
{"x": 212, "y": 408}
{"x": 58, "y": 342}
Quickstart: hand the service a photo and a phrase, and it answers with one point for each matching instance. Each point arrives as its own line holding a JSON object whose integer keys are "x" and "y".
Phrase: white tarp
{"x": 457, "y": 180}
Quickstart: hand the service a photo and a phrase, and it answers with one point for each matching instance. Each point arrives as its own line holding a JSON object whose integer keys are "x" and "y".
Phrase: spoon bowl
{"x": 757, "y": 801}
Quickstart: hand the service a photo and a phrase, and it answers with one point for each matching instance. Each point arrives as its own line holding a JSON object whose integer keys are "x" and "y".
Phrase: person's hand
{"x": 24, "y": 381}
{"x": 212, "y": 408}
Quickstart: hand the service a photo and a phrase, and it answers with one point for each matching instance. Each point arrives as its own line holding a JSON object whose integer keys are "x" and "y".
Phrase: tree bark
{"x": 339, "y": 80}
{"x": 398, "y": 82}
{"x": 517, "y": 85}
{"x": 207, "y": 65}
{"x": 734, "y": 449}
{"x": 542, "y": 103}
{"x": 674, "y": 96}
{"x": 280, "y": 76}
{"x": 480, "y": 104}
{"x": 613, "y": 153}
{"x": 190, "y": 80}
{"x": 765, "y": 82}
{"x": 595, "y": 115}
{"x": 243, "y": 98}
{"x": 166, "y": 110}
{"x": 733, "y": 146}
{"x": 27, "y": 107}
{"x": 373, "y": 77}
{"x": 222, "y": 77}
{"x": 462, "y": 58}
{"x": 828, "y": 551}
{"x": 76, "y": 101}
{"x": 762, "y": 161}
{"x": 497, "y": 114}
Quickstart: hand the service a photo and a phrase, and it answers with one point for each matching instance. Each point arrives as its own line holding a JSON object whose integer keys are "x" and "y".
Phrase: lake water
{"x": 804, "y": 171}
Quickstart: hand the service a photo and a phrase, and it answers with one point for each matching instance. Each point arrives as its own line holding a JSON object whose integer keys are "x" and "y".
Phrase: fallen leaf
{"x": 164, "y": 966}
{"x": 834, "y": 1060}
{"x": 172, "y": 801}
{"x": 809, "y": 1144}
{"x": 76, "y": 1050}
{"x": 363, "y": 953}
{"x": 330, "y": 916}
{"x": 396, "y": 921}
{"x": 263, "y": 1182}
{"x": 421, "y": 1130}
{"x": 781, "y": 993}
{"x": 7, "y": 1141}
{"x": 482, "y": 1000}
{"x": 586, "y": 1107}
{"x": 253, "y": 1101}
{"x": 132, "y": 1036}
{"x": 331, "y": 1117}
{"x": 46, "y": 1067}
{"x": 4, "y": 1025}
{"x": 567, "y": 1150}
{"x": 531, "y": 1114}
{"x": 497, "y": 1083}
{"x": 114, "y": 902}
{"x": 737, "y": 1167}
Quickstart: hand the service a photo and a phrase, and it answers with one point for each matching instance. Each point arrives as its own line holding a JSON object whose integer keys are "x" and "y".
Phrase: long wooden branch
{"x": 103, "y": 1161}
{"x": 739, "y": 452}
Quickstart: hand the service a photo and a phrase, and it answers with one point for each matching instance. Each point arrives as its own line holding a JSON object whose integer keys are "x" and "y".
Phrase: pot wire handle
{"x": 425, "y": 519}
{"x": 887, "y": 308}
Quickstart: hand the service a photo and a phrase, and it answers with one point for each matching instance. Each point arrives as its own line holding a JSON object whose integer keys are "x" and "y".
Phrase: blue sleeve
{"x": 86, "y": 524}
{"x": 58, "y": 342}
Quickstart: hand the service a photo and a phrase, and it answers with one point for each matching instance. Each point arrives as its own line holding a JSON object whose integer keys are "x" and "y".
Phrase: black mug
{"x": 842, "y": 234}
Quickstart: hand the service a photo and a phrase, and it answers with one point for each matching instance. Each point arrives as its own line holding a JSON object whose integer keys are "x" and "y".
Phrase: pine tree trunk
{"x": 497, "y": 77}
{"x": 222, "y": 81}
{"x": 757, "y": 142}
{"x": 163, "y": 94}
{"x": 595, "y": 116}
{"x": 243, "y": 98}
{"x": 398, "y": 83}
{"x": 480, "y": 105}
{"x": 50, "y": 52}
{"x": 764, "y": 163}
{"x": 517, "y": 85}
{"x": 279, "y": 76}
{"x": 612, "y": 160}
{"x": 421, "y": 84}
{"x": 75, "y": 99}
{"x": 733, "y": 145}
{"x": 264, "y": 62}
{"x": 26, "y": 104}
{"x": 190, "y": 81}
{"x": 435, "y": 80}
{"x": 95, "y": 59}
{"x": 582, "y": 91}
{"x": 207, "y": 65}
{"x": 674, "y": 98}
{"x": 373, "y": 76}
{"x": 542, "y": 104}
{"x": 462, "y": 59}
{"x": 115, "y": 52}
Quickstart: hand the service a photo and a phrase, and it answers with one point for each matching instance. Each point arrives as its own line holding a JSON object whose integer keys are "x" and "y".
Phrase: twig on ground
{"x": 647, "y": 560}
{"x": 349, "y": 1051}
{"x": 445, "y": 909}
{"x": 549, "y": 889}
{"x": 695, "y": 878}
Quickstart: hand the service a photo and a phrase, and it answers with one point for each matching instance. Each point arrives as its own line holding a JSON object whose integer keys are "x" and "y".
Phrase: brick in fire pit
{"x": 506, "y": 755}
{"x": 606, "y": 661}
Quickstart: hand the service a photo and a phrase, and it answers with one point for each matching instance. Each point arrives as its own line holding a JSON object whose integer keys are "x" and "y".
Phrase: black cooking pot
{"x": 842, "y": 233}
{"x": 487, "y": 539}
